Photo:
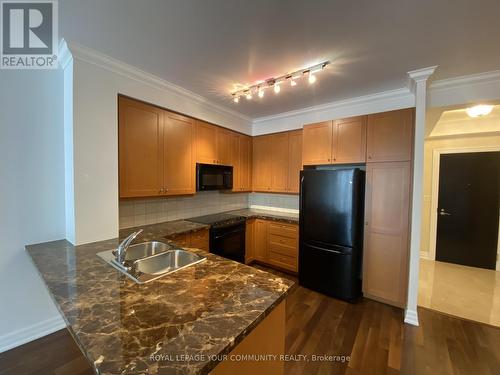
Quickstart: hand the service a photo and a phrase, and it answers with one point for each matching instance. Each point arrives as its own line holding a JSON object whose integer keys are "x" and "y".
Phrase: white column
{"x": 419, "y": 84}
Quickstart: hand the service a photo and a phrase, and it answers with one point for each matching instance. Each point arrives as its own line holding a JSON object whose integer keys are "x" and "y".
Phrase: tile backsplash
{"x": 286, "y": 201}
{"x": 138, "y": 212}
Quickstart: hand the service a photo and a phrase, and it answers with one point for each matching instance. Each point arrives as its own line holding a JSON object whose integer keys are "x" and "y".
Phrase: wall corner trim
{"x": 64, "y": 54}
{"x": 30, "y": 333}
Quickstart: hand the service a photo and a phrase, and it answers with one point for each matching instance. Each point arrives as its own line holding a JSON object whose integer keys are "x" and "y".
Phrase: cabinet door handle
{"x": 161, "y": 191}
{"x": 369, "y": 156}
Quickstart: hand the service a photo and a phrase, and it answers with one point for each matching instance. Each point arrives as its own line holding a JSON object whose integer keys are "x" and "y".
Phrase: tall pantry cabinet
{"x": 388, "y": 206}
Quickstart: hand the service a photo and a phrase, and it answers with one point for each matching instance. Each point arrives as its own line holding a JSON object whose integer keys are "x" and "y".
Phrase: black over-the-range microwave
{"x": 213, "y": 177}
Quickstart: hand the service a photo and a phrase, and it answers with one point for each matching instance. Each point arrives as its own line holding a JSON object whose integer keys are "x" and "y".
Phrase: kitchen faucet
{"x": 121, "y": 251}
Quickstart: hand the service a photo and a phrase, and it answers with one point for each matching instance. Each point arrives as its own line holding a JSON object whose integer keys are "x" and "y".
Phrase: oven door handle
{"x": 216, "y": 237}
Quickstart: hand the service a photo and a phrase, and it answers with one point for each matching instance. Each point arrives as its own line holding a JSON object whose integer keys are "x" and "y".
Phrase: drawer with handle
{"x": 283, "y": 261}
{"x": 283, "y": 245}
{"x": 286, "y": 230}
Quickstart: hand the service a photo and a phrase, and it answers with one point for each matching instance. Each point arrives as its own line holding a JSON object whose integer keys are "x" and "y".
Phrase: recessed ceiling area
{"x": 457, "y": 122}
{"x": 211, "y": 47}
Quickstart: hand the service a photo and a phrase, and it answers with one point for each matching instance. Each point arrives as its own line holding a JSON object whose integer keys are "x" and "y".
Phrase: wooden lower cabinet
{"x": 260, "y": 240}
{"x": 250, "y": 241}
{"x": 273, "y": 243}
{"x": 198, "y": 239}
{"x": 268, "y": 338}
{"x": 386, "y": 242}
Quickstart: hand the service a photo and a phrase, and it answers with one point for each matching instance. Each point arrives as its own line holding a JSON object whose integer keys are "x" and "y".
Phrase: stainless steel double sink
{"x": 149, "y": 261}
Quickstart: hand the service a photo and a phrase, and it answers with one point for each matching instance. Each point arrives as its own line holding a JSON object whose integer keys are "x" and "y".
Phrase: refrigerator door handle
{"x": 322, "y": 248}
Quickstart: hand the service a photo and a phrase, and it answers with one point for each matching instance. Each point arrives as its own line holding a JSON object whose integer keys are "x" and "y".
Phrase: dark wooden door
{"x": 468, "y": 209}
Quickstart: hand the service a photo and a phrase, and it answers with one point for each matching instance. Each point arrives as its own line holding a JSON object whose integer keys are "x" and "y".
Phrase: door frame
{"x": 436, "y": 158}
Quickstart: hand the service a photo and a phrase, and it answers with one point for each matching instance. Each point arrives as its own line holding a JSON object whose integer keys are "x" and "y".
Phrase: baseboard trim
{"x": 411, "y": 317}
{"x": 33, "y": 332}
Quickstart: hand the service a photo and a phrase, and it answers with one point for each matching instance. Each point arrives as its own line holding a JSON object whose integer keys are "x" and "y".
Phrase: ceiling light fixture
{"x": 275, "y": 83}
{"x": 312, "y": 78}
{"x": 479, "y": 110}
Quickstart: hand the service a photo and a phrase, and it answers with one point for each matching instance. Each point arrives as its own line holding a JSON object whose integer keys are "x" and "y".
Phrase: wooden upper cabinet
{"x": 140, "y": 134}
{"x": 206, "y": 143}
{"x": 234, "y": 152}
{"x": 279, "y": 162}
{"x": 390, "y": 136}
{"x": 245, "y": 166}
{"x": 262, "y": 163}
{"x": 349, "y": 140}
{"x": 223, "y": 146}
{"x": 294, "y": 160}
{"x": 317, "y": 143}
{"x": 213, "y": 144}
{"x": 179, "y": 154}
{"x": 386, "y": 247}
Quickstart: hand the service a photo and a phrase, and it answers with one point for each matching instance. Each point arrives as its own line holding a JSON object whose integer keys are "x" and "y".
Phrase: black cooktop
{"x": 216, "y": 219}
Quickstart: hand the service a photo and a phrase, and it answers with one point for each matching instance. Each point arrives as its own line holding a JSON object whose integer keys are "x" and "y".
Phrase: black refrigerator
{"x": 331, "y": 231}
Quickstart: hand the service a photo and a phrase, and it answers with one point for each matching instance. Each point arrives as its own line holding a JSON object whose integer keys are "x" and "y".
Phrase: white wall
{"x": 97, "y": 81}
{"x": 31, "y": 198}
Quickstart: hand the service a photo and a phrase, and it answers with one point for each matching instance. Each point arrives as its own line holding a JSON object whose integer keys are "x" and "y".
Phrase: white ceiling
{"x": 210, "y": 46}
{"x": 457, "y": 122}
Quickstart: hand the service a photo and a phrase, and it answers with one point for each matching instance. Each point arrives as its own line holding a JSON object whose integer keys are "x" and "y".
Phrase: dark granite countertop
{"x": 200, "y": 311}
{"x": 251, "y": 213}
{"x": 164, "y": 229}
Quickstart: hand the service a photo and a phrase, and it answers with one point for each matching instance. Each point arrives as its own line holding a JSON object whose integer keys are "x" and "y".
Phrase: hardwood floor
{"x": 55, "y": 354}
{"x": 371, "y": 334}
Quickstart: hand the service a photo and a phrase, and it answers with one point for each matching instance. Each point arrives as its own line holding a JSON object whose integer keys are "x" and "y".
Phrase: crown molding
{"x": 472, "y": 79}
{"x": 465, "y": 89}
{"x": 401, "y": 97}
{"x": 91, "y": 56}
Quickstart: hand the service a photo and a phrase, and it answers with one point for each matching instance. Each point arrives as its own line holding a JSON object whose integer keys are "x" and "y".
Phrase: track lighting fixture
{"x": 275, "y": 83}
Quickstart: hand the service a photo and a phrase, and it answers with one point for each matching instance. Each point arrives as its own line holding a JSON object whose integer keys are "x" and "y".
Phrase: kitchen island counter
{"x": 181, "y": 323}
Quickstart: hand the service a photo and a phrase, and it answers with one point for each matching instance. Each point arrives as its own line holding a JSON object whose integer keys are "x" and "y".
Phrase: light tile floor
{"x": 466, "y": 292}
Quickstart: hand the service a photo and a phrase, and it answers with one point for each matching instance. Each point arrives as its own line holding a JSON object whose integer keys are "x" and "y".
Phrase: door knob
{"x": 442, "y": 212}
